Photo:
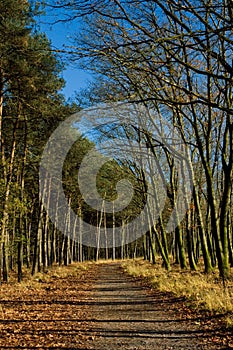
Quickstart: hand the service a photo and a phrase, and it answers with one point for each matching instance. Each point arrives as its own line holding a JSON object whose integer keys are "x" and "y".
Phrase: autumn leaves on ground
{"x": 101, "y": 306}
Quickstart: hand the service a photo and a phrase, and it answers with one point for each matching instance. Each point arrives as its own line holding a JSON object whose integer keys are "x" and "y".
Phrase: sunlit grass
{"x": 201, "y": 291}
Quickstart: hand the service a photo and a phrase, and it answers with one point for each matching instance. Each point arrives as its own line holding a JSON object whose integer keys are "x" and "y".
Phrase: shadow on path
{"x": 108, "y": 310}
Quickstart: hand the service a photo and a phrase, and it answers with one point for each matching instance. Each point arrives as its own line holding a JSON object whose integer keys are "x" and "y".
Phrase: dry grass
{"x": 200, "y": 290}
{"x": 56, "y": 271}
{"x": 36, "y": 282}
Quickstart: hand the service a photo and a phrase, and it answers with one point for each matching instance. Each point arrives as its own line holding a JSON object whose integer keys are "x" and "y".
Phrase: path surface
{"x": 129, "y": 315}
{"x": 107, "y": 309}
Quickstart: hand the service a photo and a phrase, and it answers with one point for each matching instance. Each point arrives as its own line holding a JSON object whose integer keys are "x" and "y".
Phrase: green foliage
{"x": 31, "y": 108}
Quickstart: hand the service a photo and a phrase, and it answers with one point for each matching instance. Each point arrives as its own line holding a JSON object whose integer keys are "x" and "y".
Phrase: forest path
{"x": 105, "y": 309}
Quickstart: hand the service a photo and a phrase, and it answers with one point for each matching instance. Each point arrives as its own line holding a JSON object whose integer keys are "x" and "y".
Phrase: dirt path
{"x": 107, "y": 309}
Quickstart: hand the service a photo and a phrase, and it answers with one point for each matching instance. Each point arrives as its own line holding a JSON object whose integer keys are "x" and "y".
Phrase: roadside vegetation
{"x": 202, "y": 292}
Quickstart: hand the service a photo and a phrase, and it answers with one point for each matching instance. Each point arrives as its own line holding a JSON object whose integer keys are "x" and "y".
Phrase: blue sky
{"x": 60, "y": 34}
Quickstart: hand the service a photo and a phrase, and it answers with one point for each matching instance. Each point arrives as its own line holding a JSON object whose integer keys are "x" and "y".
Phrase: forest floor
{"x": 101, "y": 307}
